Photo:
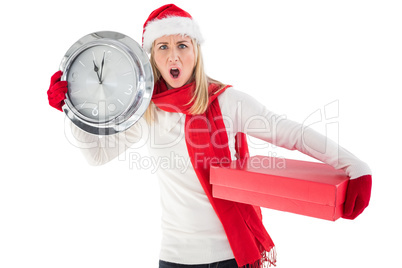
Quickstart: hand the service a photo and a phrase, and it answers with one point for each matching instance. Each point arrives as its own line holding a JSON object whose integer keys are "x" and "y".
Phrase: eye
{"x": 163, "y": 47}
{"x": 182, "y": 46}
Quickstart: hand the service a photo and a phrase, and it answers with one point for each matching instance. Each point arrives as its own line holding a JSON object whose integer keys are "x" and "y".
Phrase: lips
{"x": 174, "y": 72}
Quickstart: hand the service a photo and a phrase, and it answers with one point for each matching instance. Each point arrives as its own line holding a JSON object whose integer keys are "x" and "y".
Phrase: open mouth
{"x": 175, "y": 72}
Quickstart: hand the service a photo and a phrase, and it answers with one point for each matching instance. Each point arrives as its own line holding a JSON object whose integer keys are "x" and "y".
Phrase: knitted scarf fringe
{"x": 268, "y": 259}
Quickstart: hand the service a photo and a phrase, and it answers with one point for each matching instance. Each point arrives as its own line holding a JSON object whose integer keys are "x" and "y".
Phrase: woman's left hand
{"x": 357, "y": 197}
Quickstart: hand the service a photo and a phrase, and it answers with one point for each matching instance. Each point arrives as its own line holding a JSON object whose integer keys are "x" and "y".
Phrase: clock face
{"x": 102, "y": 82}
{"x": 110, "y": 82}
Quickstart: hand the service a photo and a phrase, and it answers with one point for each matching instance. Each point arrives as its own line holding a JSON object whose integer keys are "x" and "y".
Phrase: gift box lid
{"x": 292, "y": 179}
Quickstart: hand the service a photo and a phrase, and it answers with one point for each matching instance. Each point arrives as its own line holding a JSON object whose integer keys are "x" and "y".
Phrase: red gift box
{"x": 307, "y": 188}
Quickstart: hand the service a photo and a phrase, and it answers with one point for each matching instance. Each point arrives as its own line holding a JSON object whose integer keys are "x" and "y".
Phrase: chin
{"x": 175, "y": 83}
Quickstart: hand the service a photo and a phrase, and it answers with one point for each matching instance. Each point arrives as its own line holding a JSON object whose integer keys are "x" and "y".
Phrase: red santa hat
{"x": 169, "y": 20}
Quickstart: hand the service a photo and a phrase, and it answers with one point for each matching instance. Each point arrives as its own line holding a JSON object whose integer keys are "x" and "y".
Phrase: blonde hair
{"x": 202, "y": 82}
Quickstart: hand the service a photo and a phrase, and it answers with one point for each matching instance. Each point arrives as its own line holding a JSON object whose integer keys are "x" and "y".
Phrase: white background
{"x": 294, "y": 56}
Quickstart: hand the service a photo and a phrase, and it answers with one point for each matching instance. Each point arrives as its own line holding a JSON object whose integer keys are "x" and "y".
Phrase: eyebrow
{"x": 178, "y": 42}
{"x": 182, "y": 41}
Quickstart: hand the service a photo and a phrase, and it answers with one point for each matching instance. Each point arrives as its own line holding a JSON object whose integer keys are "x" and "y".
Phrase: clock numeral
{"x": 111, "y": 107}
{"x": 95, "y": 111}
{"x": 129, "y": 90}
{"x": 108, "y": 55}
{"x": 74, "y": 76}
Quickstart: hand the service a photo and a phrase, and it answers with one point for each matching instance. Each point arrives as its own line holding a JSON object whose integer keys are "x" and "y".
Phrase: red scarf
{"x": 207, "y": 143}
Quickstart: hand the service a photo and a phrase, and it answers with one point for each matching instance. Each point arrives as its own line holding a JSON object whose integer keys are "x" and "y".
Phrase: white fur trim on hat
{"x": 170, "y": 26}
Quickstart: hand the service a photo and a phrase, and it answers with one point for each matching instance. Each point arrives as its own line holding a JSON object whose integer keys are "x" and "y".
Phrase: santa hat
{"x": 169, "y": 20}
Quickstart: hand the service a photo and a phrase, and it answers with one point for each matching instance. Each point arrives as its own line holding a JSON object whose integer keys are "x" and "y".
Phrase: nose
{"x": 173, "y": 56}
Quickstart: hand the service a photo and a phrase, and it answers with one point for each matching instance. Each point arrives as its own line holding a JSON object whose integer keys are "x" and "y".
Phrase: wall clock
{"x": 110, "y": 82}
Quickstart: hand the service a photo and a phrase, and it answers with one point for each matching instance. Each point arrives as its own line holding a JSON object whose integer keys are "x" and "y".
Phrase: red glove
{"x": 57, "y": 91}
{"x": 357, "y": 197}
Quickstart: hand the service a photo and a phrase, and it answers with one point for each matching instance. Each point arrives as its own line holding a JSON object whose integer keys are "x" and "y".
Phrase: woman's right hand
{"x": 57, "y": 91}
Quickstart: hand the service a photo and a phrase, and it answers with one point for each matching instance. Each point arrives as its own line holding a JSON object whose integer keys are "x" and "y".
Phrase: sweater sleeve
{"x": 99, "y": 150}
{"x": 249, "y": 116}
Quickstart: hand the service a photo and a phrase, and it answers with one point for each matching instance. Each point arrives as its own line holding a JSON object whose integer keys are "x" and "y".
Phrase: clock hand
{"x": 101, "y": 72}
{"x": 96, "y": 69}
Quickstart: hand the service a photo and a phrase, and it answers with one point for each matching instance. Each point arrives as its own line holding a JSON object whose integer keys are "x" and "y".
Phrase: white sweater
{"x": 192, "y": 233}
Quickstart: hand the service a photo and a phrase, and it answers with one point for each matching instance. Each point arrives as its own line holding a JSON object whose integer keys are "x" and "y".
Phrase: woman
{"x": 196, "y": 120}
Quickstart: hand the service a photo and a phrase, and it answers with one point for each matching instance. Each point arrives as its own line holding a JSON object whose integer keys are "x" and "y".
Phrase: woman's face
{"x": 174, "y": 56}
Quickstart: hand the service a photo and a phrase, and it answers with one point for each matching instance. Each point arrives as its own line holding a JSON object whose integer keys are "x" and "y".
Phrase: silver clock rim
{"x": 145, "y": 83}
